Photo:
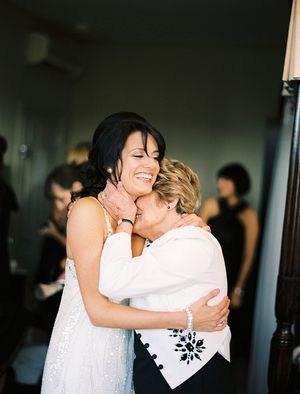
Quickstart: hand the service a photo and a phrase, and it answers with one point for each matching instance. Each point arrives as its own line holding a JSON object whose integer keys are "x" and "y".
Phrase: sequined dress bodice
{"x": 82, "y": 358}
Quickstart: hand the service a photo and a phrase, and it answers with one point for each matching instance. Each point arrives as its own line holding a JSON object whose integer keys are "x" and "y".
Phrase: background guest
{"x": 79, "y": 153}
{"x": 235, "y": 224}
{"x": 8, "y": 204}
{"x": 60, "y": 183}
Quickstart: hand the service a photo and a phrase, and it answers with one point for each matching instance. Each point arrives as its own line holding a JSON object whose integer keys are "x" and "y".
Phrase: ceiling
{"x": 252, "y": 22}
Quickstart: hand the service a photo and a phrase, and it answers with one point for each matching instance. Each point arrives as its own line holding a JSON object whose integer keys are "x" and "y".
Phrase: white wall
{"x": 211, "y": 104}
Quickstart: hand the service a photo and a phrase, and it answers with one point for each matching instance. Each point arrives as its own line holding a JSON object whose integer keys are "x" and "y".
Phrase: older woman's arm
{"x": 86, "y": 234}
{"x": 173, "y": 265}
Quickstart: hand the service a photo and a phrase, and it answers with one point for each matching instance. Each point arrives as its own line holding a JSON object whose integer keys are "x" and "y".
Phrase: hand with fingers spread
{"x": 192, "y": 220}
{"x": 210, "y": 318}
{"x": 118, "y": 203}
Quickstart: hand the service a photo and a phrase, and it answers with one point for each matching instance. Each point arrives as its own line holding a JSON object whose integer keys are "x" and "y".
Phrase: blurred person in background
{"x": 235, "y": 225}
{"x": 79, "y": 153}
{"x": 29, "y": 361}
{"x": 77, "y": 157}
{"x": 12, "y": 314}
{"x": 8, "y": 204}
{"x": 60, "y": 183}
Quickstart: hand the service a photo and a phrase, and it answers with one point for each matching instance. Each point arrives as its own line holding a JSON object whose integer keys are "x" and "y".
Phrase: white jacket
{"x": 173, "y": 272}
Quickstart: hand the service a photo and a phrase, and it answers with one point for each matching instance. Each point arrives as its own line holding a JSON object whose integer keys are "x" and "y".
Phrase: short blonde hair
{"x": 176, "y": 180}
{"x": 79, "y": 153}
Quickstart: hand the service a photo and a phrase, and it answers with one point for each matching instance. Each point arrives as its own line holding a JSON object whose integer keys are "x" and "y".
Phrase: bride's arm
{"x": 85, "y": 238}
{"x": 137, "y": 245}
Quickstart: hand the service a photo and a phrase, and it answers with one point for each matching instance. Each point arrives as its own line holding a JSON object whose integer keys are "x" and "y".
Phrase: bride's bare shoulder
{"x": 86, "y": 207}
{"x": 86, "y": 226}
{"x": 86, "y": 203}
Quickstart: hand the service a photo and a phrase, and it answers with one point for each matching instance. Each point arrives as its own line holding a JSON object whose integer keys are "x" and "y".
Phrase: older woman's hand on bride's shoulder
{"x": 191, "y": 219}
{"x": 210, "y": 318}
{"x": 118, "y": 203}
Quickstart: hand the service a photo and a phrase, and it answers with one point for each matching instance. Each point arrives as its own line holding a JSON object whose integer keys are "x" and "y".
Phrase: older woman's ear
{"x": 172, "y": 204}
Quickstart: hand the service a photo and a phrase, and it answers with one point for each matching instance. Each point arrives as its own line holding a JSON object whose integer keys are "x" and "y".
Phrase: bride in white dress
{"x": 83, "y": 358}
{"x": 90, "y": 351}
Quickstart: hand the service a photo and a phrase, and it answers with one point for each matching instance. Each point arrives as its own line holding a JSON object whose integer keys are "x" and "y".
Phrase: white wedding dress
{"x": 82, "y": 358}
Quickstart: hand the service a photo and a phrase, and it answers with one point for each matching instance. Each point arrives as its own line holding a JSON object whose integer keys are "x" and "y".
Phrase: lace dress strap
{"x": 108, "y": 224}
{"x": 107, "y": 221}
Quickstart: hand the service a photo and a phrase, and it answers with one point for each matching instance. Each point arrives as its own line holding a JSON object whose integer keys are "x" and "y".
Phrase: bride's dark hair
{"x": 108, "y": 142}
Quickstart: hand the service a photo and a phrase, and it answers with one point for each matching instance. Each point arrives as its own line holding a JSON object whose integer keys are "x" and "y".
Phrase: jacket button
{"x": 160, "y": 366}
{"x": 154, "y": 356}
{"x": 139, "y": 335}
{"x": 146, "y": 345}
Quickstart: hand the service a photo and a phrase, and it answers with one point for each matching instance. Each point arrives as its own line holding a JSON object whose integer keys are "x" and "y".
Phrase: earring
{"x": 109, "y": 170}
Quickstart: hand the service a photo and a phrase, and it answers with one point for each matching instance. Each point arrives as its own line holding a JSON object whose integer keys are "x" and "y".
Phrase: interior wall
{"x": 33, "y": 105}
{"x": 22, "y": 84}
{"x": 211, "y": 103}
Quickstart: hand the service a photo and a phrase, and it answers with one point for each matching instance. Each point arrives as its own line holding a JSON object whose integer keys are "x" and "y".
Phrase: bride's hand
{"x": 210, "y": 318}
{"x": 192, "y": 220}
{"x": 117, "y": 202}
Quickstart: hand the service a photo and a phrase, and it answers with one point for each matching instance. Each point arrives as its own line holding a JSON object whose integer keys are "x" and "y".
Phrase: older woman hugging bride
{"x": 180, "y": 265}
{"x": 90, "y": 350}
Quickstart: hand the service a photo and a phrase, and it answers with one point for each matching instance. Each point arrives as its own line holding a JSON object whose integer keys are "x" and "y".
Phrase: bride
{"x": 90, "y": 350}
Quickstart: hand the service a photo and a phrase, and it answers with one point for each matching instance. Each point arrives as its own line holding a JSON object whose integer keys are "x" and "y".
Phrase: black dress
{"x": 49, "y": 269}
{"x": 8, "y": 203}
{"x": 230, "y": 232}
{"x": 214, "y": 378}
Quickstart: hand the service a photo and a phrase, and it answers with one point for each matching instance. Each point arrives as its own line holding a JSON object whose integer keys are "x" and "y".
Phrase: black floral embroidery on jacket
{"x": 187, "y": 344}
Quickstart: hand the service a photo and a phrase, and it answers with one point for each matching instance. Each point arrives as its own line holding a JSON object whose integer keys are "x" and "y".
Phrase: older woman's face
{"x": 139, "y": 169}
{"x": 151, "y": 214}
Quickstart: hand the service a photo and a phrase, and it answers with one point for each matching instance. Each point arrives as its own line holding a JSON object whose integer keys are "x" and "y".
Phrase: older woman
{"x": 180, "y": 265}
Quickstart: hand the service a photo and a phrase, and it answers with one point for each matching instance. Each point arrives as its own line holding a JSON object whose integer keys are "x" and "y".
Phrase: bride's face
{"x": 139, "y": 168}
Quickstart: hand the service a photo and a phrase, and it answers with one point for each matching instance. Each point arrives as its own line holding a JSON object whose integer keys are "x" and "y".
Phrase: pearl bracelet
{"x": 189, "y": 326}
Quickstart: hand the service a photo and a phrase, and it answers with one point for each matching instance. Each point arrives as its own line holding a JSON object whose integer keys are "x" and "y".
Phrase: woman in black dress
{"x": 235, "y": 224}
